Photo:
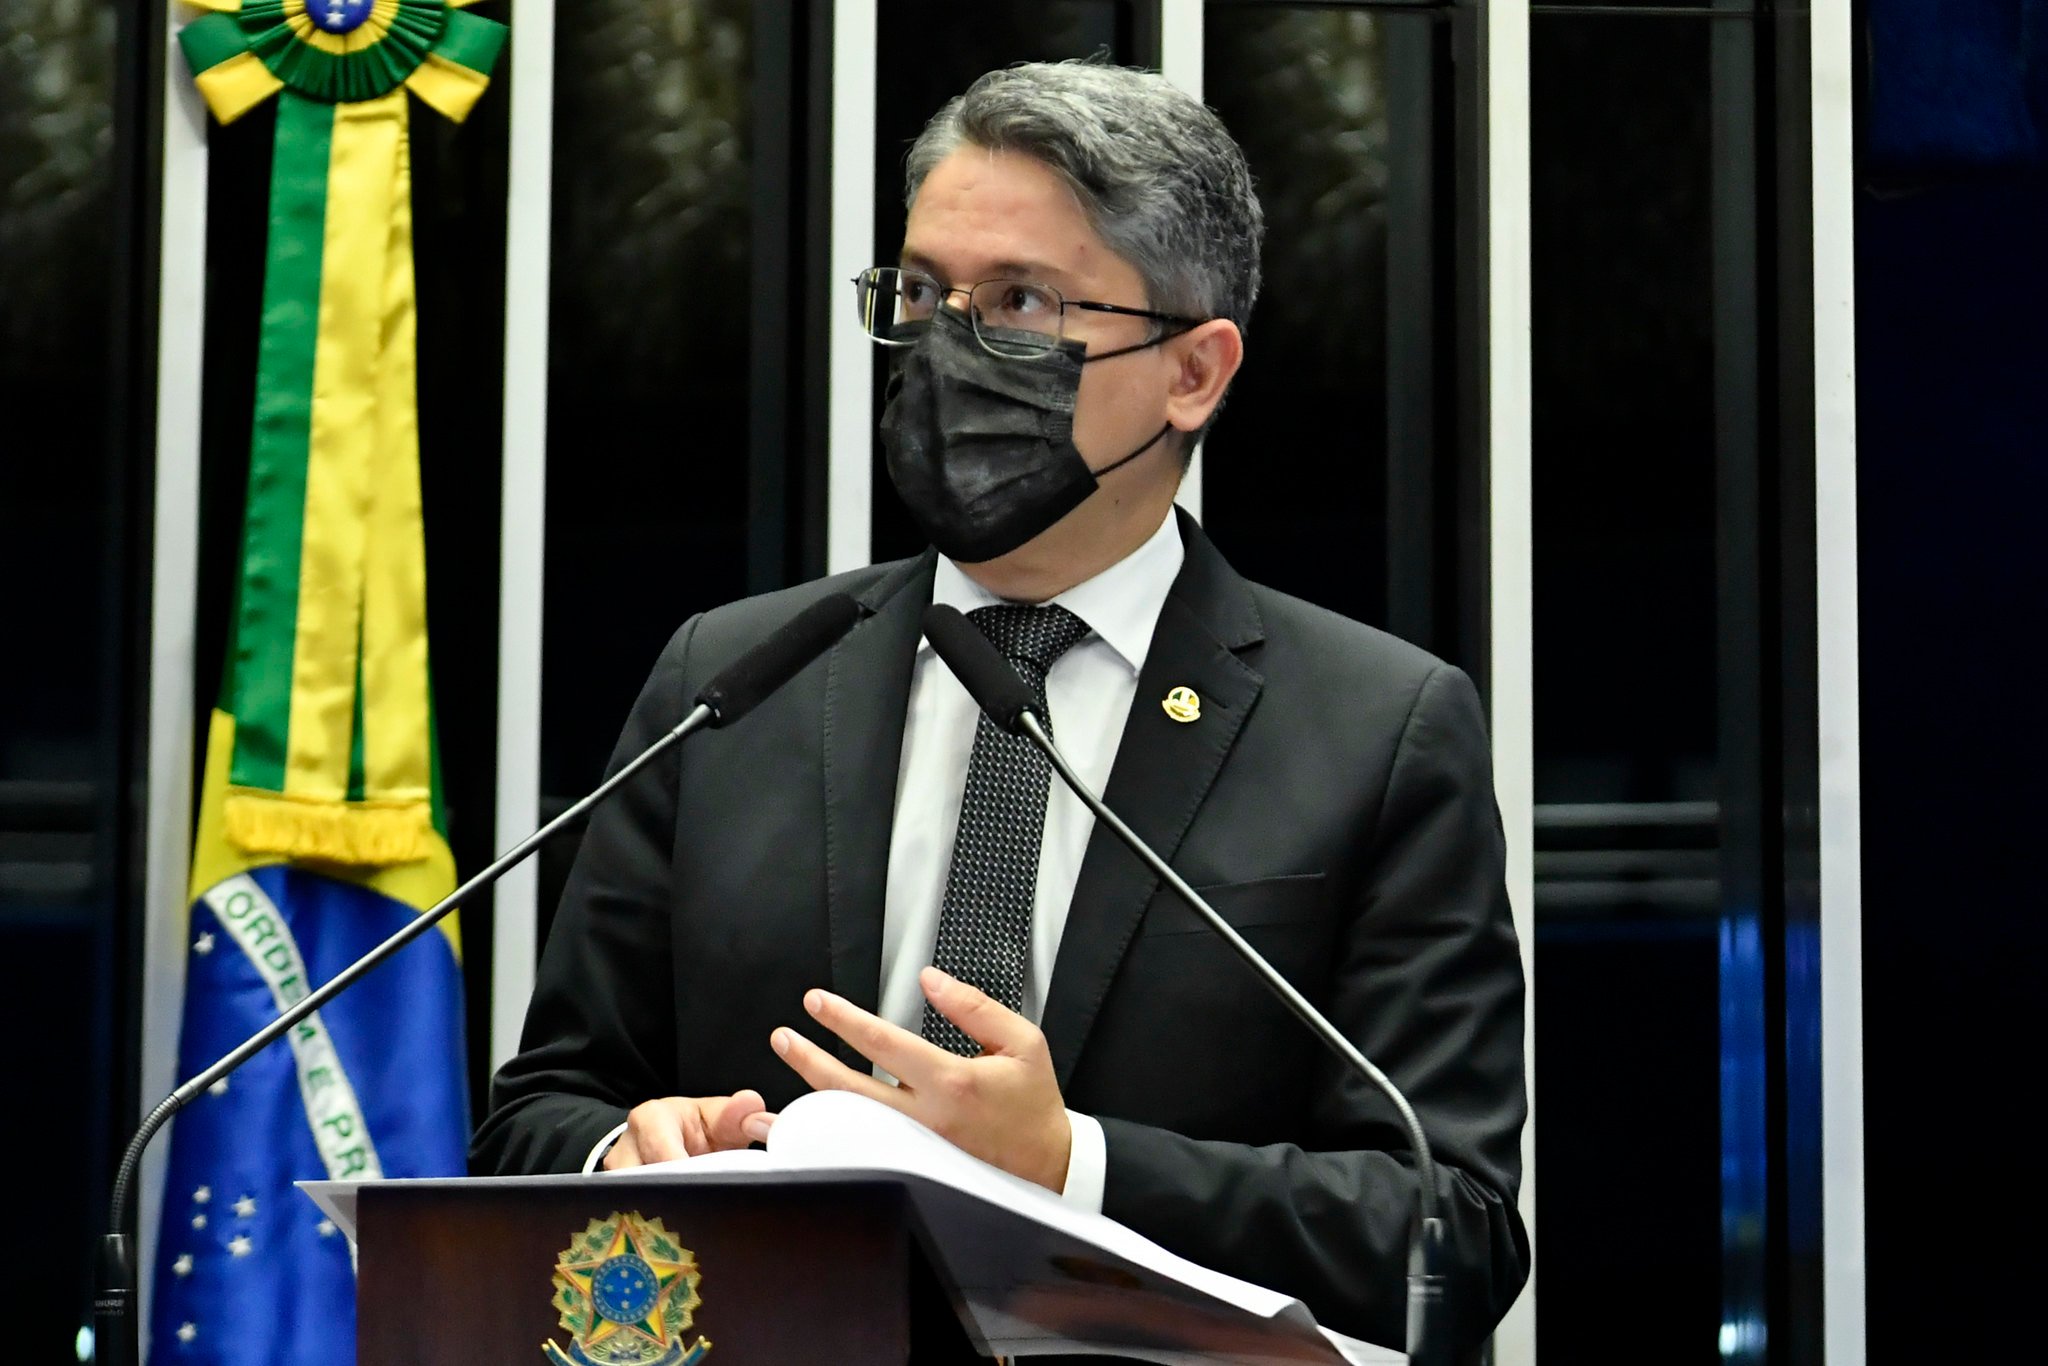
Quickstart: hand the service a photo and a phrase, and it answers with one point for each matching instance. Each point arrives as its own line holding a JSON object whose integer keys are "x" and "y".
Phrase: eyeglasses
{"x": 1011, "y": 318}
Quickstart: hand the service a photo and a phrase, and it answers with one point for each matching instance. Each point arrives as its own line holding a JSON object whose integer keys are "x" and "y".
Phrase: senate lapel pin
{"x": 1182, "y": 705}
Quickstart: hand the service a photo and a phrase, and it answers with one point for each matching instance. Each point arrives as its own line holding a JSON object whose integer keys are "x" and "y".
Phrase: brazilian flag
{"x": 321, "y": 830}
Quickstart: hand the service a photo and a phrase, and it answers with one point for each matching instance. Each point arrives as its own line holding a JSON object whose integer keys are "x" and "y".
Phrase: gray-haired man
{"x": 864, "y": 889}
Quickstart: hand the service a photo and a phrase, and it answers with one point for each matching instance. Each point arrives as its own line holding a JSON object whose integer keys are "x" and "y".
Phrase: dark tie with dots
{"x": 985, "y": 919}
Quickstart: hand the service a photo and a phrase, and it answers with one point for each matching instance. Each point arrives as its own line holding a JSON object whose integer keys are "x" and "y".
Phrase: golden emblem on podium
{"x": 627, "y": 1292}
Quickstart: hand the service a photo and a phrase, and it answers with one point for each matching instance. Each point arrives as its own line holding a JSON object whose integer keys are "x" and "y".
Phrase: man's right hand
{"x": 688, "y": 1126}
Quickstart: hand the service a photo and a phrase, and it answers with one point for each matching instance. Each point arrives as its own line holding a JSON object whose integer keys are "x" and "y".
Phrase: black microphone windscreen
{"x": 991, "y": 680}
{"x": 746, "y": 682}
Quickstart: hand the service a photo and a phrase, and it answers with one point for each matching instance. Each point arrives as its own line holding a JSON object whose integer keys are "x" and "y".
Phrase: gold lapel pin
{"x": 1182, "y": 705}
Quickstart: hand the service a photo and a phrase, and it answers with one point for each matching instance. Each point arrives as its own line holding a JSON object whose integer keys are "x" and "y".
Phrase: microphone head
{"x": 991, "y": 680}
{"x": 746, "y": 682}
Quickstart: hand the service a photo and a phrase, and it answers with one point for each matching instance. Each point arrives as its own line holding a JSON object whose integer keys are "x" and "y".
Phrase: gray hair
{"x": 1161, "y": 180}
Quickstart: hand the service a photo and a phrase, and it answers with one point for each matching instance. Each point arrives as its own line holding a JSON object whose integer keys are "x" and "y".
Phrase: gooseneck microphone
{"x": 735, "y": 691}
{"x": 997, "y": 688}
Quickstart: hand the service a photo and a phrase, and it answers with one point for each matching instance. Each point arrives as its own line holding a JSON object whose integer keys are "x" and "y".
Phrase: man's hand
{"x": 1004, "y": 1106}
{"x": 688, "y": 1126}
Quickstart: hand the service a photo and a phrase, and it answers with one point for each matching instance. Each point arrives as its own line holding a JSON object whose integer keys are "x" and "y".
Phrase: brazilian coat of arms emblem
{"x": 627, "y": 1292}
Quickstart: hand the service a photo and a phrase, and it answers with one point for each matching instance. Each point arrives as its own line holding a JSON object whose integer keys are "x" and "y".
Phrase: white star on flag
{"x": 199, "y": 1221}
{"x": 202, "y": 1195}
{"x": 183, "y": 1266}
{"x": 219, "y": 1088}
{"x": 239, "y": 1245}
{"x": 187, "y": 1332}
{"x": 245, "y": 1208}
{"x": 326, "y": 1227}
{"x": 203, "y": 944}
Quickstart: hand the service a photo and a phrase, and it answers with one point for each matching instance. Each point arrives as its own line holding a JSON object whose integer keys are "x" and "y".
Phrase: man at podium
{"x": 864, "y": 886}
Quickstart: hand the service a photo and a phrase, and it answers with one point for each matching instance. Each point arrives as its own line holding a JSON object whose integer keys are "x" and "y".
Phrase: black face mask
{"x": 981, "y": 447}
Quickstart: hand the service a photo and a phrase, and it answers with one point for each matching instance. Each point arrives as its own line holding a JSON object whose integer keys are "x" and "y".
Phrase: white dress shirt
{"x": 1089, "y": 692}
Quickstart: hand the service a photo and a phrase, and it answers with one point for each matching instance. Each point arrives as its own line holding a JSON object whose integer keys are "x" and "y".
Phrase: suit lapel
{"x": 867, "y": 694}
{"x": 1164, "y": 769}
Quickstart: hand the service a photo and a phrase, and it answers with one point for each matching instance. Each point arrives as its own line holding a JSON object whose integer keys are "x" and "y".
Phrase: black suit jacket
{"x": 1334, "y": 801}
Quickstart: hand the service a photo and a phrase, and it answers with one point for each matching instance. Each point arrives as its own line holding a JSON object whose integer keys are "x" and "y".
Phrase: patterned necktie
{"x": 985, "y": 918}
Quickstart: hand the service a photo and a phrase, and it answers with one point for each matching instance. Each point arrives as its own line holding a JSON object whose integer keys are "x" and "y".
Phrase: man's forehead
{"x": 984, "y": 215}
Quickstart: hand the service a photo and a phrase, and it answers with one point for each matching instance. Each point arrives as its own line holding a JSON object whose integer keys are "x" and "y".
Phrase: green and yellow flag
{"x": 332, "y": 756}
{"x": 320, "y": 833}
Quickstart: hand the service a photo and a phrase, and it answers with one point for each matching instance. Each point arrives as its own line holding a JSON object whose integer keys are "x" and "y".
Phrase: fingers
{"x": 899, "y": 1052}
{"x": 988, "y": 1022}
{"x": 726, "y": 1116}
{"x": 823, "y": 1072}
{"x": 1003, "y": 1106}
{"x": 690, "y": 1119}
{"x": 654, "y": 1132}
{"x": 623, "y": 1153}
{"x": 688, "y": 1126}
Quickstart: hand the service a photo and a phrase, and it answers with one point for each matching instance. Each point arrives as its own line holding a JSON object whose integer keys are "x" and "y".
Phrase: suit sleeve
{"x": 1429, "y": 987}
{"x": 600, "y": 1030}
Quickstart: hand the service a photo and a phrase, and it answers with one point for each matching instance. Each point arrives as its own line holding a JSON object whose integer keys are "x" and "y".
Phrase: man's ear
{"x": 1205, "y": 359}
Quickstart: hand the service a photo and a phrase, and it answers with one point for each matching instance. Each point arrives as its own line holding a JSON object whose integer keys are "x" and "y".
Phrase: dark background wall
{"x": 1661, "y": 915}
{"x": 1952, "y": 455}
{"x": 77, "y": 307}
{"x": 686, "y": 455}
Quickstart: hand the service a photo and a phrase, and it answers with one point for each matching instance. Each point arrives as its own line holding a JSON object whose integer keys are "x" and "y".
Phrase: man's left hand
{"x": 1004, "y": 1107}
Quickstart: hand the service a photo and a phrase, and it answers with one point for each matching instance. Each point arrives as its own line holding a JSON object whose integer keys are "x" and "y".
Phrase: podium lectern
{"x": 858, "y": 1237}
{"x": 459, "y": 1272}
{"x": 847, "y": 1266}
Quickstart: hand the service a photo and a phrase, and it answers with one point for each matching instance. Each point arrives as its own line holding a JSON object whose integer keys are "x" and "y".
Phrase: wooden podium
{"x": 864, "y": 1239}
{"x": 453, "y": 1273}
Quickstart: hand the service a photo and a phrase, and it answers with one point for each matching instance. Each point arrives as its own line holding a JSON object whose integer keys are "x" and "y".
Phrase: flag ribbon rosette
{"x": 332, "y": 751}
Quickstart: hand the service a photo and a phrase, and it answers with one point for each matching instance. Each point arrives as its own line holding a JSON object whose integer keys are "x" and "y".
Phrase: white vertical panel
{"x": 1180, "y": 60}
{"x": 1180, "y": 44}
{"x": 173, "y": 610}
{"x": 1841, "y": 850}
{"x": 1508, "y": 442}
{"x": 850, "y": 418}
{"x": 523, "y": 512}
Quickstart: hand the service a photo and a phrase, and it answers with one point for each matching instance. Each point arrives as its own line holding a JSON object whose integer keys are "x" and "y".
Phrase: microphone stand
{"x": 736, "y": 690}
{"x": 114, "y": 1330}
{"x": 1427, "y": 1344}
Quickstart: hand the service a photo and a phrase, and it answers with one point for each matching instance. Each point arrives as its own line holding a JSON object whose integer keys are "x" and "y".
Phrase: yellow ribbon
{"x": 362, "y": 576}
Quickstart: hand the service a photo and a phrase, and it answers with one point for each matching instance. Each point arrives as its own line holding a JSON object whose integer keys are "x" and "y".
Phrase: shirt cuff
{"x": 604, "y": 1146}
{"x": 1087, "y": 1164}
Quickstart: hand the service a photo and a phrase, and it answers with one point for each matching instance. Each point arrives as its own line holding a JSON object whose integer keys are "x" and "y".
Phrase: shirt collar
{"x": 1121, "y": 604}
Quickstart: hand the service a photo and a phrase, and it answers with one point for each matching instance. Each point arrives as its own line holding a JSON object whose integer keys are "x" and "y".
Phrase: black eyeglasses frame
{"x": 1089, "y": 305}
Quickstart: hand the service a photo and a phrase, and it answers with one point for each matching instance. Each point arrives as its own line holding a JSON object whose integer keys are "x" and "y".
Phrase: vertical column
{"x": 1419, "y": 457}
{"x": 1180, "y": 61}
{"x": 1841, "y": 850}
{"x": 1512, "y": 671}
{"x": 774, "y": 379}
{"x": 1744, "y": 672}
{"x": 849, "y": 422}
{"x": 523, "y": 511}
{"x": 174, "y": 609}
